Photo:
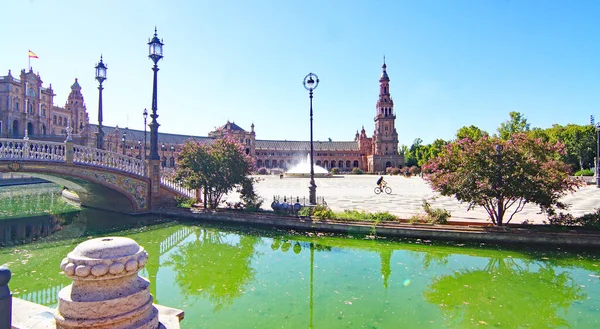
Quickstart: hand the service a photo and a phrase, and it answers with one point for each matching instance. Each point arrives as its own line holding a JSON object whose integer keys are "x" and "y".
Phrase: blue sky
{"x": 451, "y": 63}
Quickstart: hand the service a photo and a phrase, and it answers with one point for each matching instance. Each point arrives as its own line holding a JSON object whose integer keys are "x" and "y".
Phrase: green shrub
{"x": 384, "y": 216}
{"x": 357, "y": 171}
{"x": 335, "y": 171}
{"x": 432, "y": 215}
{"x": 585, "y": 172}
{"x": 322, "y": 212}
{"x": 405, "y": 171}
{"x": 184, "y": 202}
{"x": 414, "y": 170}
{"x": 250, "y": 200}
{"x": 305, "y": 212}
{"x": 393, "y": 171}
{"x": 591, "y": 220}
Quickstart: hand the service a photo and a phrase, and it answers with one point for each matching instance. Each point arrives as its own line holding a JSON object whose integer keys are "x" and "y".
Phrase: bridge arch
{"x": 123, "y": 174}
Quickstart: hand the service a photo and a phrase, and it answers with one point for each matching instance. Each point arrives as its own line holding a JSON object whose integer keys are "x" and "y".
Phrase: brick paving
{"x": 356, "y": 192}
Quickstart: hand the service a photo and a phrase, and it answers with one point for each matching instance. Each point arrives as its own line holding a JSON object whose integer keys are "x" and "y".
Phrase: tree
{"x": 216, "y": 168}
{"x": 580, "y": 143}
{"x": 525, "y": 171}
{"x": 414, "y": 153}
{"x": 471, "y": 132}
{"x": 516, "y": 124}
{"x": 432, "y": 150}
{"x": 480, "y": 293}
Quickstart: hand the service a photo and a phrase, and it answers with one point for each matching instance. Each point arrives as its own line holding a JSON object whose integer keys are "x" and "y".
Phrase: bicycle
{"x": 385, "y": 189}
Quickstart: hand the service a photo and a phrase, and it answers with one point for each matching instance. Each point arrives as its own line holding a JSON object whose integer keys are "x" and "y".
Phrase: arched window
{"x": 259, "y": 164}
{"x": 332, "y": 163}
{"x": 341, "y": 164}
{"x": 15, "y": 128}
{"x": 172, "y": 162}
{"x": 355, "y": 164}
{"x": 348, "y": 164}
{"x": 318, "y": 163}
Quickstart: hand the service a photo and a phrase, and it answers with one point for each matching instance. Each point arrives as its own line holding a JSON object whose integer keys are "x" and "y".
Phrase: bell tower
{"x": 385, "y": 137}
{"x": 77, "y": 110}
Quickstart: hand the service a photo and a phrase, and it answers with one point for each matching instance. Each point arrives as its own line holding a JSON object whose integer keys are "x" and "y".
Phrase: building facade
{"x": 27, "y": 106}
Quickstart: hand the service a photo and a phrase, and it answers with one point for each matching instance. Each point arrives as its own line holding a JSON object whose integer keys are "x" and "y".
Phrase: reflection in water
{"x": 506, "y": 293}
{"x": 214, "y": 265}
{"x": 32, "y": 212}
{"x": 226, "y": 278}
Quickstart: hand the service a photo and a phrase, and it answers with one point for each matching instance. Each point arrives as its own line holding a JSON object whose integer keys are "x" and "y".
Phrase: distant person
{"x": 380, "y": 182}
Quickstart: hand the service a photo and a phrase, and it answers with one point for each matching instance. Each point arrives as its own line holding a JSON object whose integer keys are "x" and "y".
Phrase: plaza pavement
{"x": 356, "y": 192}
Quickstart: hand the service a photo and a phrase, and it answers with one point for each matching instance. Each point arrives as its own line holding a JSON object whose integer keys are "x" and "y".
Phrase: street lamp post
{"x": 311, "y": 81}
{"x": 499, "y": 198}
{"x": 139, "y": 149}
{"x": 100, "y": 76}
{"x": 123, "y": 139}
{"x": 155, "y": 48}
{"x": 163, "y": 161}
{"x": 145, "y": 114}
{"x": 172, "y": 163}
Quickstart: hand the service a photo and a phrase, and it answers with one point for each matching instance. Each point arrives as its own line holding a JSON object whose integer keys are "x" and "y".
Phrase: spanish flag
{"x": 32, "y": 54}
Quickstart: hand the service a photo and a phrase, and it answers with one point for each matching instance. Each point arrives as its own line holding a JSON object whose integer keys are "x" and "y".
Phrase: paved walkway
{"x": 356, "y": 192}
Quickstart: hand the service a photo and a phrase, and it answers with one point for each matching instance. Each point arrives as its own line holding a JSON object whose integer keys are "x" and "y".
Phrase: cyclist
{"x": 381, "y": 183}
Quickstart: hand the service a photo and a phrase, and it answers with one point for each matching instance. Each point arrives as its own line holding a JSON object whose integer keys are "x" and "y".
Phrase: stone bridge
{"x": 138, "y": 181}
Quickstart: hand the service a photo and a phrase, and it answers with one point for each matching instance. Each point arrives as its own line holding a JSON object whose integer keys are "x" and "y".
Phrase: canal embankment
{"x": 453, "y": 231}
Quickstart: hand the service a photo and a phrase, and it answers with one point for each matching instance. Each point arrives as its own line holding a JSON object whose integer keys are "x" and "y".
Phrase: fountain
{"x": 303, "y": 170}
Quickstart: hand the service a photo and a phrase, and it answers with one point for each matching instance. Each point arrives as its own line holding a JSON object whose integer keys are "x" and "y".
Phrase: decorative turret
{"x": 76, "y": 106}
{"x": 385, "y": 137}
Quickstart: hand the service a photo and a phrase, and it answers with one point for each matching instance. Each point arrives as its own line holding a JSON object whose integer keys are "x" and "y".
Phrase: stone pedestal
{"x": 106, "y": 290}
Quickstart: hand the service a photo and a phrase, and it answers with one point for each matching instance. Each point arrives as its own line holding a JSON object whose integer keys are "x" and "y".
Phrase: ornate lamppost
{"x": 500, "y": 199}
{"x": 100, "y": 76}
{"x": 598, "y": 155}
{"x": 139, "y": 149}
{"x": 145, "y": 114}
{"x": 172, "y": 160}
{"x": 163, "y": 160}
{"x": 155, "y": 48}
{"x": 123, "y": 139}
{"x": 311, "y": 81}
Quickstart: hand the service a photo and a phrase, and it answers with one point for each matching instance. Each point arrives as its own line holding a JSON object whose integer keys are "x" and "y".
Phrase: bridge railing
{"x": 167, "y": 180}
{"x": 21, "y": 149}
{"x": 111, "y": 160}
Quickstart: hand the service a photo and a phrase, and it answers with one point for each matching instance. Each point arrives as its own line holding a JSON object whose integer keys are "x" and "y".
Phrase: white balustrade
{"x": 19, "y": 149}
{"x": 34, "y": 150}
{"x": 105, "y": 159}
{"x": 170, "y": 183}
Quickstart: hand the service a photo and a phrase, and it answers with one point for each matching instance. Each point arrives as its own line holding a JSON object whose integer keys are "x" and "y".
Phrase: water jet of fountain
{"x": 302, "y": 169}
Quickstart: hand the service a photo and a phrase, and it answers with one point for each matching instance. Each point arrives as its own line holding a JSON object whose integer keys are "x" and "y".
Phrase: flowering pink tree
{"x": 502, "y": 176}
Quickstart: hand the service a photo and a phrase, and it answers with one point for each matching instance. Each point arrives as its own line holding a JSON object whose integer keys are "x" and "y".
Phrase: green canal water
{"x": 238, "y": 277}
